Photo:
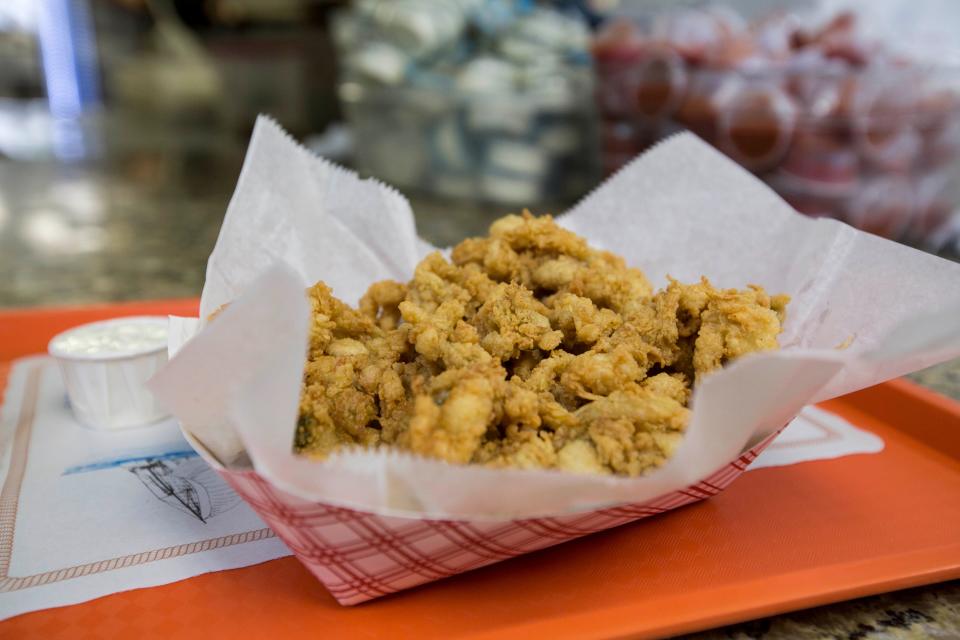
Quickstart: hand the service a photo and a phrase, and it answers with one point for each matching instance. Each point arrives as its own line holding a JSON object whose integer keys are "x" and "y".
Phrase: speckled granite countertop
{"x": 141, "y": 224}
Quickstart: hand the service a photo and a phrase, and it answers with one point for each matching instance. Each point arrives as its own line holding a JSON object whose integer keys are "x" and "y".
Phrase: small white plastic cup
{"x": 105, "y": 365}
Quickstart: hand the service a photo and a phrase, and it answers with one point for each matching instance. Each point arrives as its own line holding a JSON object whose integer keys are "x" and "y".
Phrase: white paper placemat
{"x": 86, "y": 513}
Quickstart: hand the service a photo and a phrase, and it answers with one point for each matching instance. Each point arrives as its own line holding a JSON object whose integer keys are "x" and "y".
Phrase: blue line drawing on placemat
{"x": 188, "y": 484}
{"x": 178, "y": 478}
{"x": 125, "y": 460}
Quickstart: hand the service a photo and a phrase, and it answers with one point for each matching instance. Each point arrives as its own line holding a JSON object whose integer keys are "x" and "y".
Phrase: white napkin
{"x": 681, "y": 209}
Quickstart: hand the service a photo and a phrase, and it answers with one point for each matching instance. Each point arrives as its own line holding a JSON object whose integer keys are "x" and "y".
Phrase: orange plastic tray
{"x": 778, "y": 539}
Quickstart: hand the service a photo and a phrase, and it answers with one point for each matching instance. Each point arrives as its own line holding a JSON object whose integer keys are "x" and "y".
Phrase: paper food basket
{"x": 370, "y": 523}
{"x": 360, "y": 555}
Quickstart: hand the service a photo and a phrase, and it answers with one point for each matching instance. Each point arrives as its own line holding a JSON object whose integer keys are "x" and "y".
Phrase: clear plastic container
{"x": 508, "y": 150}
{"x": 478, "y": 100}
{"x": 839, "y": 124}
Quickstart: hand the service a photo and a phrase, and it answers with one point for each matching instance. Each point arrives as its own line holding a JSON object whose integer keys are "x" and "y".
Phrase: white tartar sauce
{"x": 112, "y": 338}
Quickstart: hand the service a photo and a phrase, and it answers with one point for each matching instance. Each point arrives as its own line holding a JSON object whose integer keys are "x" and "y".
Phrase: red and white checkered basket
{"x": 359, "y": 556}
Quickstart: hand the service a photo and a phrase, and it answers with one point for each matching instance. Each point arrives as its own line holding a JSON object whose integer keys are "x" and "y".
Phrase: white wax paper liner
{"x": 681, "y": 209}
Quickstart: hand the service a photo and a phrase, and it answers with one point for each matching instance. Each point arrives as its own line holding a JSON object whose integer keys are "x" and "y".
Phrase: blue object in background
{"x": 68, "y": 51}
{"x": 582, "y": 7}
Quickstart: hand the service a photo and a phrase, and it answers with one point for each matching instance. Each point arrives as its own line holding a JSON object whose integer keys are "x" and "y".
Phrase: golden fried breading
{"x": 381, "y": 303}
{"x": 732, "y": 324}
{"x": 512, "y": 321}
{"x": 453, "y": 428}
{"x": 521, "y": 448}
{"x": 580, "y": 320}
{"x": 528, "y": 349}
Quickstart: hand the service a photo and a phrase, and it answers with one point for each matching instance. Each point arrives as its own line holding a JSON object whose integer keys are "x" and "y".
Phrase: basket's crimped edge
{"x": 359, "y": 556}
{"x": 388, "y": 190}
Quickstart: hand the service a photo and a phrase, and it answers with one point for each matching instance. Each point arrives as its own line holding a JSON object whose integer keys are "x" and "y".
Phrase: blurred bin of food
{"x": 842, "y": 114}
{"x": 481, "y": 100}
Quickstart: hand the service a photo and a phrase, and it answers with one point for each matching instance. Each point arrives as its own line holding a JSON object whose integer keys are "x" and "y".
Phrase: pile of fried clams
{"x": 527, "y": 349}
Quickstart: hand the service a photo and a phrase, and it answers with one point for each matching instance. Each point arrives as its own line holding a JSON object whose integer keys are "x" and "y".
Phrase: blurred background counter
{"x": 123, "y": 125}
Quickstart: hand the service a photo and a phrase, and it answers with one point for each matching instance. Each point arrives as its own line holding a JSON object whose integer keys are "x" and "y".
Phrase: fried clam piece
{"x": 352, "y": 392}
{"x": 555, "y": 403}
{"x": 580, "y": 320}
{"x": 519, "y": 448}
{"x": 715, "y": 326}
{"x": 452, "y": 413}
{"x": 440, "y": 337}
{"x": 734, "y": 323}
{"x": 609, "y": 283}
{"x": 512, "y": 321}
{"x": 440, "y": 300}
{"x": 657, "y": 328}
{"x": 670, "y": 385}
{"x": 545, "y": 380}
{"x": 517, "y": 245}
{"x": 436, "y": 280}
{"x": 333, "y": 410}
{"x": 381, "y": 303}
{"x": 627, "y": 432}
{"x": 693, "y": 329}
{"x": 334, "y": 325}
{"x": 546, "y": 258}
{"x": 596, "y": 373}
